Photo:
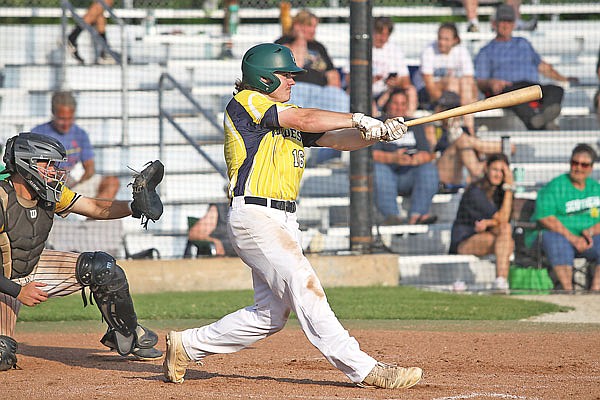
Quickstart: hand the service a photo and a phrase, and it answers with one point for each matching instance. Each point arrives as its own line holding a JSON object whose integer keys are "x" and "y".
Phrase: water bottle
{"x": 234, "y": 18}
{"x": 519, "y": 177}
{"x": 150, "y": 23}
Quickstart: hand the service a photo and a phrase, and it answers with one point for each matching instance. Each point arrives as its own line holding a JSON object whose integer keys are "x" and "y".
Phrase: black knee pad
{"x": 8, "y": 353}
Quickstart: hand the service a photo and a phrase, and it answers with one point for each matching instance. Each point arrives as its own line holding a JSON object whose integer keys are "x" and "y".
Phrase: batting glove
{"x": 369, "y": 127}
{"x": 394, "y": 129}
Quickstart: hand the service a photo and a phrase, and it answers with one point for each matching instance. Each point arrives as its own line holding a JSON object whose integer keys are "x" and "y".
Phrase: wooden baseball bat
{"x": 508, "y": 99}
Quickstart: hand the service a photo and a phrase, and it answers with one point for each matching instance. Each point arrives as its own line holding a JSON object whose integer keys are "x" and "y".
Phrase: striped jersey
{"x": 263, "y": 159}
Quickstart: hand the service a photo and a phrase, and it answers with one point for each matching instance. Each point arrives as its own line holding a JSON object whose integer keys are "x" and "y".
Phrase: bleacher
{"x": 30, "y": 71}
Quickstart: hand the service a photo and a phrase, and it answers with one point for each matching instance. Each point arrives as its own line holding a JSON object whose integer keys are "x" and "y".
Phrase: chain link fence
{"x": 186, "y": 40}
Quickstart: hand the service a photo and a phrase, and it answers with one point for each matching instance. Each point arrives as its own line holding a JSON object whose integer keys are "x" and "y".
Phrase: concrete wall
{"x": 224, "y": 273}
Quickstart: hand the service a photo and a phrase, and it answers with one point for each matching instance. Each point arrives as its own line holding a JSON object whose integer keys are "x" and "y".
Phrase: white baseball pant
{"x": 57, "y": 270}
{"x": 268, "y": 241}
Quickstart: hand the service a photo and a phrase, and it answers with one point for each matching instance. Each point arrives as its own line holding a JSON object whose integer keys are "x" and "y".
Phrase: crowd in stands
{"x": 430, "y": 158}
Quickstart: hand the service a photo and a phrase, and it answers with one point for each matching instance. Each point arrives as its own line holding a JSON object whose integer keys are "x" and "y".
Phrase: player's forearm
{"x": 9, "y": 287}
{"x": 344, "y": 140}
{"x": 102, "y": 209}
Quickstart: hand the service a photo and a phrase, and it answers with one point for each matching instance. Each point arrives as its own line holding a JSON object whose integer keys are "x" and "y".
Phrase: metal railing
{"x": 121, "y": 59}
{"x": 164, "y": 114}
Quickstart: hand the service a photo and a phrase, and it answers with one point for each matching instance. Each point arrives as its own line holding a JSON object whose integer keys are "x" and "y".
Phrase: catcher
{"x": 30, "y": 274}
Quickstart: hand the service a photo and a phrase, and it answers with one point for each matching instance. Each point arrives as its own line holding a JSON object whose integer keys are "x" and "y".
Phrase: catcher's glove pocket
{"x": 146, "y": 201}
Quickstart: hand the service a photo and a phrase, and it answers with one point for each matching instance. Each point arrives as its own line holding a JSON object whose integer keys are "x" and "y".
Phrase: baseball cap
{"x": 448, "y": 100}
{"x": 504, "y": 12}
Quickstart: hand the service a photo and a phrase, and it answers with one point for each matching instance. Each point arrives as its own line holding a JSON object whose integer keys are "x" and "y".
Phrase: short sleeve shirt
{"x": 76, "y": 142}
{"x": 474, "y": 206}
{"x": 457, "y": 63}
{"x": 575, "y": 209}
{"x": 387, "y": 60}
{"x": 263, "y": 159}
{"x": 513, "y": 61}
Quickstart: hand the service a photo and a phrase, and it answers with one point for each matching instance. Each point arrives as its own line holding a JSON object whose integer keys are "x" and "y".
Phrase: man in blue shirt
{"x": 404, "y": 166}
{"x": 508, "y": 63}
{"x": 79, "y": 148}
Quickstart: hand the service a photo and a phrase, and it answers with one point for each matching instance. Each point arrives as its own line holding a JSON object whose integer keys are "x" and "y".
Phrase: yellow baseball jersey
{"x": 263, "y": 158}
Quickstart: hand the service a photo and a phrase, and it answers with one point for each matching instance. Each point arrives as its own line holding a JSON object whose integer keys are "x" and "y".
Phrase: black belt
{"x": 283, "y": 205}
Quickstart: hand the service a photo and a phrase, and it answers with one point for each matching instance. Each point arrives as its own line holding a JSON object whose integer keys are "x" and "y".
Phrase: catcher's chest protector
{"x": 27, "y": 230}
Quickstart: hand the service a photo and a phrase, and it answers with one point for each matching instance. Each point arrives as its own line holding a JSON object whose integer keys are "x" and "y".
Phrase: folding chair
{"x": 522, "y": 212}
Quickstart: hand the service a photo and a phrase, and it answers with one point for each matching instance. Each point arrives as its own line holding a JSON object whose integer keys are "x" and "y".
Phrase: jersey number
{"x": 298, "y": 158}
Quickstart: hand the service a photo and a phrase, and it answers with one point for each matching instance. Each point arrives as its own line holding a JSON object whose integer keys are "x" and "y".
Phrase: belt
{"x": 283, "y": 205}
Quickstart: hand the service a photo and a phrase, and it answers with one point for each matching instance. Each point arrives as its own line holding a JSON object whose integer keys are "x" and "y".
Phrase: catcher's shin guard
{"x": 109, "y": 287}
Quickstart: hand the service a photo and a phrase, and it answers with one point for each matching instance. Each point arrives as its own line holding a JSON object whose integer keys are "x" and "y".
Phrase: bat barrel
{"x": 509, "y": 99}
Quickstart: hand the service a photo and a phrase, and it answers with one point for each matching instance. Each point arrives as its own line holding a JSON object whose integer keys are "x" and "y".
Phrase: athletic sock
{"x": 74, "y": 34}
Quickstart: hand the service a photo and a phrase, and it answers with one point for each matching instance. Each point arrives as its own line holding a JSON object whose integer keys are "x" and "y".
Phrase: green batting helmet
{"x": 262, "y": 61}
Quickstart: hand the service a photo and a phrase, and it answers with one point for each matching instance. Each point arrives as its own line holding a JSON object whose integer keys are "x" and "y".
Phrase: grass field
{"x": 371, "y": 303}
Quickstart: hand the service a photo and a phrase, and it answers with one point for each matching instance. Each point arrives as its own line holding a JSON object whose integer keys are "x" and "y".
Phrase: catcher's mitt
{"x": 146, "y": 202}
{"x": 8, "y": 353}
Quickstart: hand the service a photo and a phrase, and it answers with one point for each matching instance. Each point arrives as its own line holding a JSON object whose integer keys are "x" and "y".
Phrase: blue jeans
{"x": 421, "y": 182}
{"x": 560, "y": 252}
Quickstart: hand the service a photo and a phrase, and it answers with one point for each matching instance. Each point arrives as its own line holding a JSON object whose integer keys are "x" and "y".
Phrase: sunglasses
{"x": 580, "y": 164}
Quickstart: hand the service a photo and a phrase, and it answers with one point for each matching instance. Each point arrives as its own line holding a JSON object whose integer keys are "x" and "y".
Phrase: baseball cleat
{"x": 149, "y": 354}
{"x": 388, "y": 376}
{"x": 176, "y": 359}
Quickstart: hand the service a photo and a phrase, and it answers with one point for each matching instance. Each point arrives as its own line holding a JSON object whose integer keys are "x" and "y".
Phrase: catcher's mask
{"x": 37, "y": 159}
{"x": 260, "y": 63}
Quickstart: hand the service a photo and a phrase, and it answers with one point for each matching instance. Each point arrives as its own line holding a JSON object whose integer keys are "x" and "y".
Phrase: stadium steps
{"x": 442, "y": 271}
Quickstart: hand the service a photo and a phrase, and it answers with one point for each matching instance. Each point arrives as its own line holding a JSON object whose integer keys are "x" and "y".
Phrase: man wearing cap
{"x": 508, "y": 63}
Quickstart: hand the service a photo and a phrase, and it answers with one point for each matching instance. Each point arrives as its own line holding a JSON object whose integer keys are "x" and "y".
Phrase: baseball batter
{"x": 30, "y": 274}
{"x": 265, "y": 139}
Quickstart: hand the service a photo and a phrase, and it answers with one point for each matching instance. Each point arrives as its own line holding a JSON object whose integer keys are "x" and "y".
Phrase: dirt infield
{"x": 461, "y": 360}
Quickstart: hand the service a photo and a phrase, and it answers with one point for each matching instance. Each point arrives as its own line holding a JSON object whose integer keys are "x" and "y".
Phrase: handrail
{"x": 121, "y": 59}
{"x": 162, "y": 114}
{"x": 247, "y": 13}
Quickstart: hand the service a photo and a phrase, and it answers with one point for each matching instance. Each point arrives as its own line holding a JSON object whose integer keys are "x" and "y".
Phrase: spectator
{"x": 389, "y": 66}
{"x": 312, "y": 56}
{"x": 482, "y": 224}
{"x": 212, "y": 227}
{"x": 79, "y": 149}
{"x": 404, "y": 166}
{"x": 94, "y": 17}
{"x": 320, "y": 87}
{"x": 458, "y": 148}
{"x": 508, "y": 63}
{"x": 447, "y": 66}
{"x": 567, "y": 209}
{"x": 520, "y": 25}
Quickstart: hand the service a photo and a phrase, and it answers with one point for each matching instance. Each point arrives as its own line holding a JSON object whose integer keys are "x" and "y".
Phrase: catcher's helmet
{"x": 22, "y": 154}
{"x": 262, "y": 61}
